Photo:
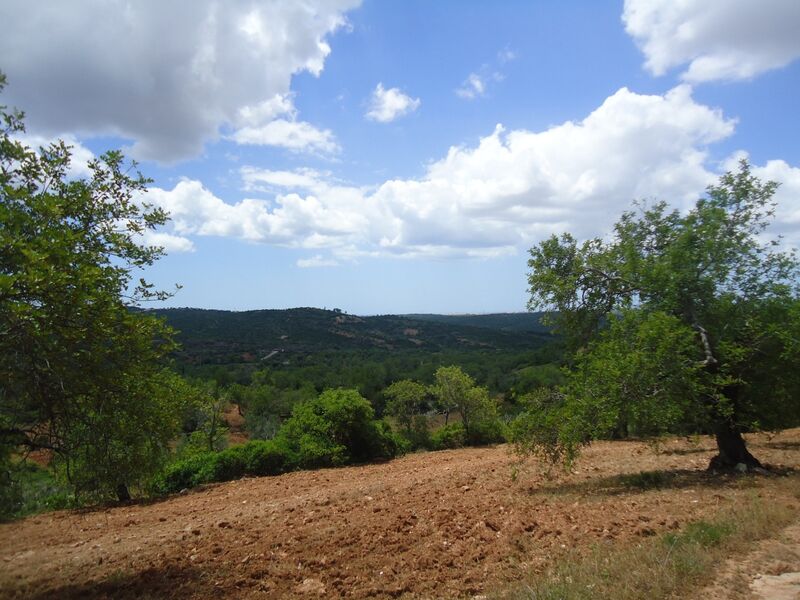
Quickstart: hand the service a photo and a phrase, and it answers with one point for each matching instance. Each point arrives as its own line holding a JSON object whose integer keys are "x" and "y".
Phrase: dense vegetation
{"x": 81, "y": 376}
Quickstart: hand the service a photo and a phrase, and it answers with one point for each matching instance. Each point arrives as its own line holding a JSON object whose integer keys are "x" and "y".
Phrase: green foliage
{"x": 79, "y": 371}
{"x": 406, "y": 399}
{"x": 30, "y": 489}
{"x": 334, "y": 429}
{"x": 546, "y": 428}
{"x": 679, "y": 322}
{"x": 448, "y": 437}
{"x": 455, "y": 390}
{"x": 256, "y": 458}
{"x": 203, "y": 424}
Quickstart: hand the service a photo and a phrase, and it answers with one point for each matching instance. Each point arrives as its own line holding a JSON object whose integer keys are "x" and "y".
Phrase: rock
{"x": 740, "y": 468}
{"x": 311, "y": 586}
{"x": 224, "y": 525}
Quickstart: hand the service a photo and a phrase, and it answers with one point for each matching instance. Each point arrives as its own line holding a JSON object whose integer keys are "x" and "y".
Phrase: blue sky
{"x": 394, "y": 157}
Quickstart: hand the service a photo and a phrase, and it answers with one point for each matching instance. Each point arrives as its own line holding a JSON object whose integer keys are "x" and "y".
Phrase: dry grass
{"x": 661, "y": 567}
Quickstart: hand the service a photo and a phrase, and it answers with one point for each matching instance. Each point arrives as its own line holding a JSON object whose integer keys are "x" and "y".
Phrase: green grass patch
{"x": 661, "y": 567}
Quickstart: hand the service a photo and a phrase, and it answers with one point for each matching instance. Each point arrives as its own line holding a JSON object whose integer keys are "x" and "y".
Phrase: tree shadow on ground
{"x": 684, "y": 451}
{"x": 632, "y": 483}
{"x": 781, "y": 445}
{"x": 153, "y": 583}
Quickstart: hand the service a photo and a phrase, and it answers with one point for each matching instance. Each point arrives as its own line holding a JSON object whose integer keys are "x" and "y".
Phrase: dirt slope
{"x": 444, "y": 524}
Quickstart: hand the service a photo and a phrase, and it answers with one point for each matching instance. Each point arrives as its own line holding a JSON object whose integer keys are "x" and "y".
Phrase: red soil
{"x": 444, "y": 524}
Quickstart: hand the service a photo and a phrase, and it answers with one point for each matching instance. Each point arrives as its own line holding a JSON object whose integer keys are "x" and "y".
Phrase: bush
{"x": 490, "y": 431}
{"x": 449, "y": 436}
{"x": 267, "y": 457}
{"x": 334, "y": 429}
{"x": 253, "y": 458}
{"x": 419, "y": 435}
{"x": 223, "y": 466}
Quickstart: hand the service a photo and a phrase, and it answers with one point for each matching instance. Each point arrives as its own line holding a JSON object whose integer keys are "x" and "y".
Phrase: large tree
{"x": 80, "y": 371}
{"x": 678, "y": 322}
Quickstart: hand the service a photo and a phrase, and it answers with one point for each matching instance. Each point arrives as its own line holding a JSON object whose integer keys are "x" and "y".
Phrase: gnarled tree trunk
{"x": 732, "y": 449}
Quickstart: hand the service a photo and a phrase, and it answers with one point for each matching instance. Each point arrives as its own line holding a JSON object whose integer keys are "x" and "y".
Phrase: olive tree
{"x": 678, "y": 321}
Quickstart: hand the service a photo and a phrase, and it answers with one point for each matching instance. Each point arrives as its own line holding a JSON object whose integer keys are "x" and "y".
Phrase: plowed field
{"x": 444, "y": 524}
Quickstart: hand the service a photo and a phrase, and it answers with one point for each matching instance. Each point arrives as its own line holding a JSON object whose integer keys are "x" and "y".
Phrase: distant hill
{"x": 217, "y": 336}
{"x": 516, "y": 322}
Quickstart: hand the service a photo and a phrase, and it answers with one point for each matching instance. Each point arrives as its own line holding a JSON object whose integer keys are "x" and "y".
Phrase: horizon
{"x": 401, "y": 158}
{"x": 344, "y": 311}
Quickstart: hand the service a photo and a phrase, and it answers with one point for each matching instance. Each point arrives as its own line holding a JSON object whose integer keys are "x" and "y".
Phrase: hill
{"x": 514, "y": 322}
{"x": 225, "y": 337}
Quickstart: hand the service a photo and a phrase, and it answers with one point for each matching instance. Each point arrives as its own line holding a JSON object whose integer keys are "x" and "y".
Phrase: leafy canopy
{"x": 80, "y": 372}
{"x": 678, "y": 321}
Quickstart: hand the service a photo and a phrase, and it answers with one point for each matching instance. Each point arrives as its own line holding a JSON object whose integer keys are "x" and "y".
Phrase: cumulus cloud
{"x": 80, "y": 155}
{"x": 500, "y": 196}
{"x": 166, "y": 75}
{"x": 169, "y": 242}
{"x": 717, "y": 39}
{"x": 293, "y": 135}
{"x": 266, "y": 180}
{"x": 388, "y": 105}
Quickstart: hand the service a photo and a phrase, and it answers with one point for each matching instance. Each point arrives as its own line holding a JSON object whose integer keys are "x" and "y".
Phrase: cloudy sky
{"x": 403, "y": 156}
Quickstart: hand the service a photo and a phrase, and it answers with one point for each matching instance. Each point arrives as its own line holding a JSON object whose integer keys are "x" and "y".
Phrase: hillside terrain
{"x": 271, "y": 336}
{"x": 445, "y": 524}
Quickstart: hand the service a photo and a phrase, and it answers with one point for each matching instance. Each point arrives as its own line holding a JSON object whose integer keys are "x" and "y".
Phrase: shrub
{"x": 271, "y": 457}
{"x": 334, "y": 429}
{"x": 490, "y": 431}
{"x": 449, "y": 436}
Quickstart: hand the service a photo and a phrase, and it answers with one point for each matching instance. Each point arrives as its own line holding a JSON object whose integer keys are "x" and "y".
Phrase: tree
{"x": 450, "y": 389}
{"x": 456, "y": 390}
{"x": 679, "y": 321}
{"x": 80, "y": 370}
{"x": 406, "y": 398}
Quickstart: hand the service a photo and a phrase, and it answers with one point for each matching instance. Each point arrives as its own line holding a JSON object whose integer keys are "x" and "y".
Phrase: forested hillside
{"x": 270, "y": 336}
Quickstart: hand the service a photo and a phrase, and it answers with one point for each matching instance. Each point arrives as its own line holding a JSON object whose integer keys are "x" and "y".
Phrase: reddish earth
{"x": 443, "y": 524}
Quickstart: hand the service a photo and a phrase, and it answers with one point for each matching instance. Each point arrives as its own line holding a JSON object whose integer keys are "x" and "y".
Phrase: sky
{"x": 403, "y": 157}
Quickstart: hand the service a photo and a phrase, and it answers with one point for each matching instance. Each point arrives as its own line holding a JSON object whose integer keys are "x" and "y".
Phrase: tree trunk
{"x": 123, "y": 495}
{"x": 732, "y": 450}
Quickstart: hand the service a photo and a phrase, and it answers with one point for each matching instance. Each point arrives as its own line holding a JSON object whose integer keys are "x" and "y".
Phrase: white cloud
{"x": 293, "y": 135}
{"x": 388, "y": 105}
{"x": 498, "y": 197}
{"x": 166, "y": 75}
{"x": 170, "y": 242}
{"x": 265, "y": 180}
{"x": 477, "y": 83}
{"x": 787, "y": 197}
{"x": 718, "y": 39}
{"x": 80, "y": 155}
{"x": 316, "y": 261}
{"x": 473, "y": 87}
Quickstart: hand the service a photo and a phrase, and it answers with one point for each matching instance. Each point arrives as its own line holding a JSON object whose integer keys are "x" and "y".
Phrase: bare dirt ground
{"x": 443, "y": 524}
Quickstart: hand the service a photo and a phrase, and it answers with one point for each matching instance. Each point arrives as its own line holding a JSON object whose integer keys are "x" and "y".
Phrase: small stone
{"x": 311, "y": 586}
